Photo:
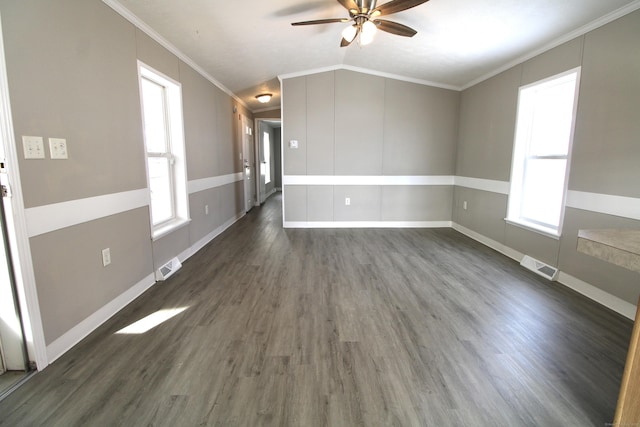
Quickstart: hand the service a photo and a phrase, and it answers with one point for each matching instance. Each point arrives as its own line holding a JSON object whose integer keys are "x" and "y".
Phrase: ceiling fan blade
{"x": 350, "y": 5}
{"x": 395, "y": 28}
{"x": 321, "y": 21}
{"x": 395, "y": 6}
{"x": 344, "y": 42}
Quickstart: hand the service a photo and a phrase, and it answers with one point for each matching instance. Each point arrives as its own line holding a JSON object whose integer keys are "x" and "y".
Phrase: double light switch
{"x": 34, "y": 147}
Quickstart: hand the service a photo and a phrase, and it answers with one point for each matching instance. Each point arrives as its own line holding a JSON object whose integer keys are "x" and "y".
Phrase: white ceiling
{"x": 246, "y": 44}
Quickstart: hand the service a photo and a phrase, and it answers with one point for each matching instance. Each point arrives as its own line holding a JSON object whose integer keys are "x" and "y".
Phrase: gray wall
{"x": 72, "y": 74}
{"x": 605, "y": 149}
{"x": 355, "y": 124}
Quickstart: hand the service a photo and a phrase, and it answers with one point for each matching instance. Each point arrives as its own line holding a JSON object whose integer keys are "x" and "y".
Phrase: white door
{"x": 248, "y": 159}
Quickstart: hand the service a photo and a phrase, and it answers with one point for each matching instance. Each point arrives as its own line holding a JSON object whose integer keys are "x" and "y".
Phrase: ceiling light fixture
{"x": 264, "y": 97}
{"x": 368, "y": 31}
{"x": 350, "y": 33}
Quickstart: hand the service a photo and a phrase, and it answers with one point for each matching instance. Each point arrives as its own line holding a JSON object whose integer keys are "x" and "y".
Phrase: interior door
{"x": 248, "y": 163}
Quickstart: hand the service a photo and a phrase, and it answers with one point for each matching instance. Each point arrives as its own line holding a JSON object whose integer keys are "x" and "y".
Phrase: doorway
{"x": 248, "y": 159}
{"x": 268, "y": 151}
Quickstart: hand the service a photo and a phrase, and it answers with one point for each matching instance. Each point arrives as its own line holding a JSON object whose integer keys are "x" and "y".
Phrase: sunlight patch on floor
{"x": 151, "y": 321}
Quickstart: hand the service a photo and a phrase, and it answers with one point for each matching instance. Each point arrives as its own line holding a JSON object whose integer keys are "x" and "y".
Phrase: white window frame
{"x": 521, "y": 157}
{"x": 175, "y": 151}
{"x": 266, "y": 155}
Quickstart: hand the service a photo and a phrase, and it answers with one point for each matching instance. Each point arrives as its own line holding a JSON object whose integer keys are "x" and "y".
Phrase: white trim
{"x": 264, "y": 110}
{"x": 47, "y": 218}
{"x": 186, "y": 254}
{"x": 603, "y": 20}
{"x": 135, "y": 20}
{"x": 497, "y": 246}
{"x": 370, "y": 72}
{"x": 367, "y": 180}
{"x": 501, "y": 187}
{"x": 529, "y": 226}
{"x": 139, "y": 23}
{"x": 74, "y": 335}
{"x": 17, "y": 228}
{"x": 598, "y": 295}
{"x": 273, "y": 190}
{"x": 367, "y": 224}
{"x": 626, "y": 207}
{"x": 168, "y": 228}
{"x": 175, "y": 148}
{"x": 203, "y": 184}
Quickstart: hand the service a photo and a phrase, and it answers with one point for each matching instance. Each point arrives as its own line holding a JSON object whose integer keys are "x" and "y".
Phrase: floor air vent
{"x": 164, "y": 272}
{"x": 540, "y": 268}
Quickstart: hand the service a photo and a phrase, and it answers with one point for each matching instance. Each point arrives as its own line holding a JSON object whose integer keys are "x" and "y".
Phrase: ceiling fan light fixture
{"x": 368, "y": 31}
{"x": 264, "y": 97}
{"x": 350, "y": 33}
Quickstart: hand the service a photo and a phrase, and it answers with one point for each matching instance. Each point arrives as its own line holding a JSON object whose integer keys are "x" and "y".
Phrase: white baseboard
{"x": 76, "y": 334}
{"x": 598, "y": 295}
{"x": 273, "y": 191}
{"x": 497, "y": 246}
{"x": 72, "y": 337}
{"x": 188, "y": 253}
{"x": 367, "y": 224}
{"x": 592, "y": 292}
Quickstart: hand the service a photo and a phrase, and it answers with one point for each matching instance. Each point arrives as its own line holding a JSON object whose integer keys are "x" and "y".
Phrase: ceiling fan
{"x": 364, "y": 15}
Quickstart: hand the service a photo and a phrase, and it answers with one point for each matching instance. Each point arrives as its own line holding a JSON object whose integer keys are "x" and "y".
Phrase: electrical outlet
{"x": 347, "y": 201}
{"x": 106, "y": 257}
{"x": 464, "y": 205}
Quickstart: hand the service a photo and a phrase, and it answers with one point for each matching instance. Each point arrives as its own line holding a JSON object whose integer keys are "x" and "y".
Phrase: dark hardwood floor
{"x": 402, "y": 327}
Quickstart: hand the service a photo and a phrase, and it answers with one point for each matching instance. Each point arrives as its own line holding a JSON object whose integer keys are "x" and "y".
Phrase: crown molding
{"x": 361, "y": 70}
{"x": 581, "y": 31}
{"x": 143, "y": 26}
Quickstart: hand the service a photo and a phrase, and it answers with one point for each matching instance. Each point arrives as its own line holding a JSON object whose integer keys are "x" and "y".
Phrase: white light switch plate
{"x": 293, "y": 144}
{"x": 33, "y": 147}
{"x": 106, "y": 257}
{"x": 58, "y": 148}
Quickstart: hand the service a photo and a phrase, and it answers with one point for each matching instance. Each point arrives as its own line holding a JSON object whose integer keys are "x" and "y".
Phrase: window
{"x": 544, "y": 130}
{"x": 266, "y": 149}
{"x": 161, "y": 101}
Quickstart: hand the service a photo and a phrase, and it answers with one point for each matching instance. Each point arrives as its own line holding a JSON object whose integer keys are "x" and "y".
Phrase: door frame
{"x": 258, "y": 150}
{"x": 247, "y": 161}
{"x": 17, "y": 233}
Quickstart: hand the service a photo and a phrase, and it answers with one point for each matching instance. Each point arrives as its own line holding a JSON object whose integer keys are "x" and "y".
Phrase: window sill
{"x": 548, "y": 232}
{"x": 169, "y": 227}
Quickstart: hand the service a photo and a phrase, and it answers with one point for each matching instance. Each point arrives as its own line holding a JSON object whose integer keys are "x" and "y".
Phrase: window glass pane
{"x": 160, "y": 187}
{"x": 543, "y": 189}
{"x": 155, "y": 129}
{"x": 551, "y": 121}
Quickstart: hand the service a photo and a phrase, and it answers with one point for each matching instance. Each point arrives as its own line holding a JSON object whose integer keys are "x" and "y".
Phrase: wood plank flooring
{"x": 403, "y": 327}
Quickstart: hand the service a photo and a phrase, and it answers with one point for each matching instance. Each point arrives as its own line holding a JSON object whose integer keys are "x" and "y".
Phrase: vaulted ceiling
{"x": 246, "y": 44}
